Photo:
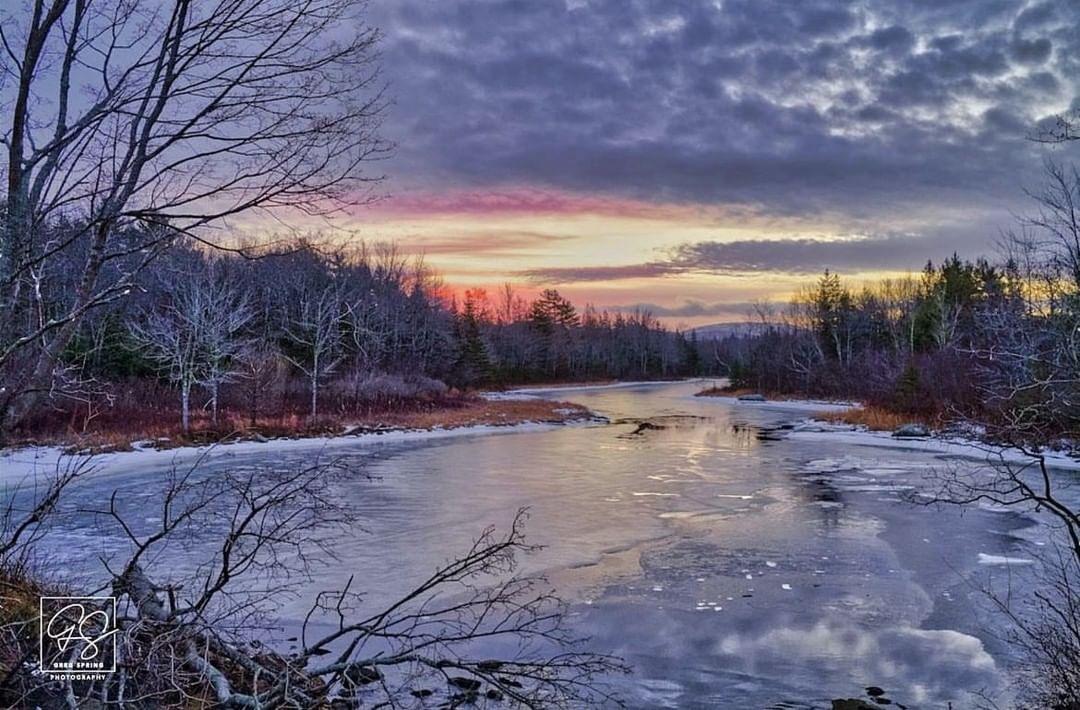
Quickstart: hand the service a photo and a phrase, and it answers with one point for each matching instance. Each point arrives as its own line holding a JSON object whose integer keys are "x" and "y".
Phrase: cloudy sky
{"x": 697, "y": 155}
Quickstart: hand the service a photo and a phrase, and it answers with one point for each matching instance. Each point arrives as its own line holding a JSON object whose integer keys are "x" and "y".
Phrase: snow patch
{"x": 791, "y": 405}
{"x": 985, "y": 559}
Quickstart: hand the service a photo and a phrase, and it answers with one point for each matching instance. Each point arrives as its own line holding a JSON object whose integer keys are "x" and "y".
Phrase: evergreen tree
{"x": 551, "y": 310}
{"x": 473, "y": 365}
{"x": 691, "y": 356}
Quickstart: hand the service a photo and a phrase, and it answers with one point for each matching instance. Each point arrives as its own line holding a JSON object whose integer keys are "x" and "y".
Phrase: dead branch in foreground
{"x": 197, "y": 638}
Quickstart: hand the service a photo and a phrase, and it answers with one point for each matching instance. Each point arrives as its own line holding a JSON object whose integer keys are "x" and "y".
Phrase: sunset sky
{"x": 698, "y": 155}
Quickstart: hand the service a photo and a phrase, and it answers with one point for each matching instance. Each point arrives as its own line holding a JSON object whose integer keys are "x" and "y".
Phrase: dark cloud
{"x": 599, "y": 273}
{"x": 794, "y": 255}
{"x": 1039, "y": 15}
{"x": 801, "y": 256}
{"x": 894, "y": 38}
{"x": 1035, "y": 51}
{"x": 815, "y": 106}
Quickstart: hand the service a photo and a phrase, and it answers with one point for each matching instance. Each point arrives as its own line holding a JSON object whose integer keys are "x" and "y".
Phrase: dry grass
{"x": 452, "y": 413}
{"x": 480, "y": 411}
{"x": 20, "y": 594}
{"x": 873, "y": 418}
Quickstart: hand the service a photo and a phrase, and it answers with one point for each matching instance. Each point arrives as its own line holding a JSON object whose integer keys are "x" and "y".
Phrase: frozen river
{"x": 727, "y": 570}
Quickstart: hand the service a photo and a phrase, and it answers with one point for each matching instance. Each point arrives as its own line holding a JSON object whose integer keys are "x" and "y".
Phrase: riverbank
{"x": 129, "y": 429}
{"x": 854, "y": 424}
{"x": 21, "y": 463}
{"x": 468, "y": 411}
{"x": 773, "y": 400}
{"x": 953, "y": 446}
{"x": 859, "y": 414}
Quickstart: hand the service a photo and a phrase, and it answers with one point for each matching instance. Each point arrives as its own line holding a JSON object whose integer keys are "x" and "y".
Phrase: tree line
{"x": 989, "y": 340}
{"x": 314, "y": 331}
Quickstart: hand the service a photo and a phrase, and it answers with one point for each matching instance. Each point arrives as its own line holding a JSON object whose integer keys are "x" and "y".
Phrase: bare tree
{"x": 1056, "y": 222}
{"x": 144, "y": 122}
{"x": 225, "y": 319}
{"x": 259, "y": 367}
{"x": 196, "y": 338}
{"x": 1064, "y": 128}
{"x": 312, "y": 325}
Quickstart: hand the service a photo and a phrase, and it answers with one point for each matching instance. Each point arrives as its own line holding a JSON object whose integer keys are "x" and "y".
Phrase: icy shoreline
{"x": 799, "y": 405}
{"x": 25, "y": 465}
{"x": 960, "y": 447}
{"x": 810, "y": 429}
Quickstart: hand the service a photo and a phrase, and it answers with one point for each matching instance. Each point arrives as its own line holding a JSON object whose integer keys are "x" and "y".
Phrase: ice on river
{"x": 729, "y": 571}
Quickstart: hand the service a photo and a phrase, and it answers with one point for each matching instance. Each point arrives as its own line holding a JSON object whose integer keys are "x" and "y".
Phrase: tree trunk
{"x": 254, "y": 401}
{"x": 185, "y": 407}
{"x": 27, "y": 395}
{"x": 214, "y": 404}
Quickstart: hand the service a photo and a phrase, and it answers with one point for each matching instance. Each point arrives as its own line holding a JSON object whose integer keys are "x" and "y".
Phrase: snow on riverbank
{"x": 794, "y": 405}
{"x": 21, "y": 466}
{"x": 811, "y": 430}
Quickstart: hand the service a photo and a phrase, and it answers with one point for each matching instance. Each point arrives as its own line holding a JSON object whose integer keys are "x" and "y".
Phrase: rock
{"x": 646, "y": 426}
{"x": 852, "y": 704}
{"x": 422, "y": 693}
{"x": 362, "y": 675}
{"x": 874, "y": 691}
{"x": 467, "y": 684}
{"x": 463, "y": 699}
{"x": 493, "y": 694}
{"x": 751, "y": 398}
{"x": 911, "y": 431}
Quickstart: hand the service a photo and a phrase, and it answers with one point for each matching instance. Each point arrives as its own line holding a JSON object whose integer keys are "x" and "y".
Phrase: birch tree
{"x": 311, "y": 325}
{"x": 196, "y": 338}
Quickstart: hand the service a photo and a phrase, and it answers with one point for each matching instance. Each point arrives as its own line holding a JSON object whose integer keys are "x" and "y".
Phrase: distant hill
{"x": 715, "y": 331}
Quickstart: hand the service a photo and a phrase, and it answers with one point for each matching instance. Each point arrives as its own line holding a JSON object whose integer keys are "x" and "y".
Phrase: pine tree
{"x": 551, "y": 310}
{"x": 473, "y": 364}
{"x": 908, "y": 390}
{"x": 691, "y": 353}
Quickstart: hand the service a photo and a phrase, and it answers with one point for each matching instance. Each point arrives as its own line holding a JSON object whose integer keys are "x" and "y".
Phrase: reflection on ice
{"x": 927, "y": 664}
